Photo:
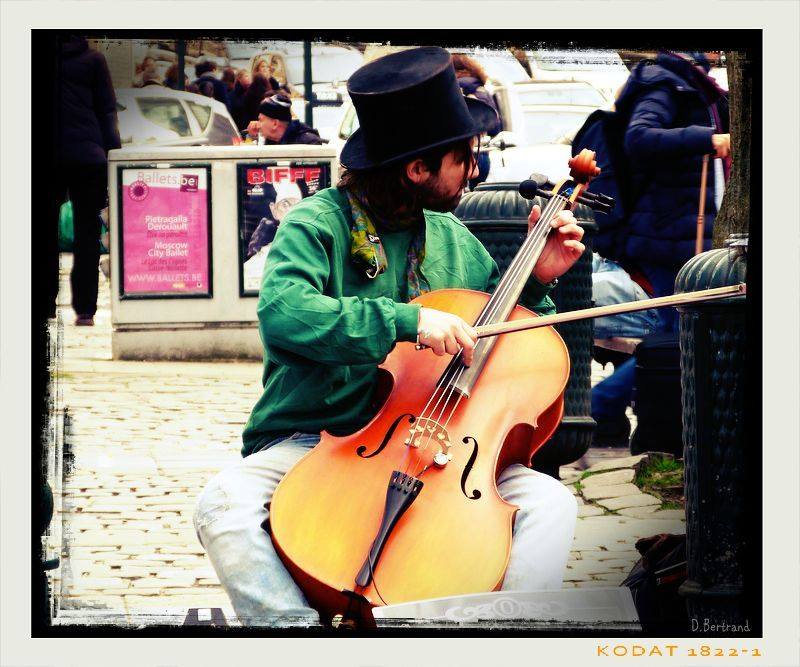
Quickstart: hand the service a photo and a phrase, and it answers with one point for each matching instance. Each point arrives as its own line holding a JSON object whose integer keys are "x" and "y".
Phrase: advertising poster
{"x": 165, "y": 232}
{"x": 267, "y": 193}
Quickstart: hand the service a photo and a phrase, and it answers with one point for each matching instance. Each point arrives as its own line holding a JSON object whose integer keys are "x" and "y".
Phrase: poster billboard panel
{"x": 267, "y": 191}
{"x": 165, "y": 239}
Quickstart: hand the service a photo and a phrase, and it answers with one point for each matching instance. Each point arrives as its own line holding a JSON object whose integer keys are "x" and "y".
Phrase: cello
{"x": 407, "y": 508}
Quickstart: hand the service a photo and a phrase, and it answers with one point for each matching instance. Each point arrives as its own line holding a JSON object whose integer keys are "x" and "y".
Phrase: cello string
{"x": 456, "y": 368}
{"x": 539, "y": 233}
{"x": 511, "y": 276}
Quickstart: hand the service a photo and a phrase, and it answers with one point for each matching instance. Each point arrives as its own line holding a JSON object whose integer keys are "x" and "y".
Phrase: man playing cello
{"x": 334, "y": 302}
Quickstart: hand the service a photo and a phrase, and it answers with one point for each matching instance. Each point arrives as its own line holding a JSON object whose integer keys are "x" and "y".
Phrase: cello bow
{"x": 614, "y": 309}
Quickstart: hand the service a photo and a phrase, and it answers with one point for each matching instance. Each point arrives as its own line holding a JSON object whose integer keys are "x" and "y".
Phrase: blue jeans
{"x": 232, "y": 508}
{"x": 611, "y": 284}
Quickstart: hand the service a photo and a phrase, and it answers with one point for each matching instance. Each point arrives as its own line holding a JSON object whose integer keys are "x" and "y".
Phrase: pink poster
{"x": 165, "y": 231}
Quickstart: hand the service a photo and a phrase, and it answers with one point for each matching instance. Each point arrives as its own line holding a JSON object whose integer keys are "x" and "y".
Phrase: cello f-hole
{"x": 363, "y": 448}
{"x": 468, "y": 468}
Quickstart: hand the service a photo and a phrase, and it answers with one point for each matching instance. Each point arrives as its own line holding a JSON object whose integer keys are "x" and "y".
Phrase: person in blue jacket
{"x": 675, "y": 115}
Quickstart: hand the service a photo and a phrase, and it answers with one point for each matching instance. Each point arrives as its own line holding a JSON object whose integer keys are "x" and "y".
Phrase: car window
{"x": 165, "y": 113}
{"x": 202, "y": 112}
{"x": 583, "y": 95}
{"x": 544, "y": 127}
{"x": 222, "y": 131}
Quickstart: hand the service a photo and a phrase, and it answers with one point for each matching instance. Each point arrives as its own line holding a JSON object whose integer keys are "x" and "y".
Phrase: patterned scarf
{"x": 366, "y": 250}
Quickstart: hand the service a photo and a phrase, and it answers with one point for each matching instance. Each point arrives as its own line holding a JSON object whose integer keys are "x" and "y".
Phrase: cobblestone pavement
{"x": 144, "y": 439}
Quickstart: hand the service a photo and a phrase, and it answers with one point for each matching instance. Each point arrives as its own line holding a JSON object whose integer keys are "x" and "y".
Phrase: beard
{"x": 431, "y": 195}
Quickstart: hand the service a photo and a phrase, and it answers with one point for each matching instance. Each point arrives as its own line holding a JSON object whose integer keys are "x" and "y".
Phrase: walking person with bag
{"x": 669, "y": 114}
{"x": 86, "y": 130}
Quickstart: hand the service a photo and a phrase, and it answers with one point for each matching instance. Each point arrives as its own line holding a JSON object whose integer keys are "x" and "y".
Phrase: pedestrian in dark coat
{"x": 229, "y": 79}
{"x": 276, "y": 125}
{"x": 86, "y": 131}
{"x": 240, "y": 87}
{"x": 677, "y": 115}
{"x": 261, "y": 88}
{"x": 298, "y": 132}
{"x": 209, "y": 85}
{"x": 171, "y": 81}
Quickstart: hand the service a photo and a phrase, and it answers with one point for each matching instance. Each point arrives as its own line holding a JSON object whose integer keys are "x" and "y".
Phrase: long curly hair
{"x": 389, "y": 190}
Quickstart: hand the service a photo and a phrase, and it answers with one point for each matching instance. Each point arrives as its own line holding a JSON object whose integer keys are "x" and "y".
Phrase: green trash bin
{"x": 498, "y": 216}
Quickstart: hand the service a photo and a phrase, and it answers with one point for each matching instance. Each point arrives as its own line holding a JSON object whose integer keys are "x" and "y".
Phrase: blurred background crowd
{"x": 542, "y": 97}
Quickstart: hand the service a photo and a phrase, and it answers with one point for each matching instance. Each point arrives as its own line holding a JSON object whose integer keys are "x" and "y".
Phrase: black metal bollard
{"x": 720, "y": 540}
{"x": 498, "y": 215}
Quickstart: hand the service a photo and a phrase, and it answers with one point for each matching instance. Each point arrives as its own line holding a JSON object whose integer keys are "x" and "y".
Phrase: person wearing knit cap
{"x": 276, "y": 125}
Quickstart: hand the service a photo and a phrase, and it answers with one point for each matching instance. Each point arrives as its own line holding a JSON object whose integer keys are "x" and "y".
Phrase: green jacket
{"x": 326, "y": 327}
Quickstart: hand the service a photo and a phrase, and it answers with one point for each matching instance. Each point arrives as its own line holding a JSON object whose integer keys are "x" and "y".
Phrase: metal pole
{"x": 180, "y": 49}
{"x": 307, "y": 83}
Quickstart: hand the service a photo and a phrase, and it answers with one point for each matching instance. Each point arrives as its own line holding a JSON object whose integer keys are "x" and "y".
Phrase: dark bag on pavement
{"x": 654, "y": 582}
{"x": 657, "y": 396}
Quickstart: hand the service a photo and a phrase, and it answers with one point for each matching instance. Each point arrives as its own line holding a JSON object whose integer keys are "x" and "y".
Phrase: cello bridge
{"x": 429, "y": 435}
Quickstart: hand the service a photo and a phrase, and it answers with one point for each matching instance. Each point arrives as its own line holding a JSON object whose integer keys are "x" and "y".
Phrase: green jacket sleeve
{"x": 297, "y": 317}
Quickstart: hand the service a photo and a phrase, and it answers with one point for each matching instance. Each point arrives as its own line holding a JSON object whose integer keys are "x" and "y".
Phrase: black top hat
{"x": 408, "y": 102}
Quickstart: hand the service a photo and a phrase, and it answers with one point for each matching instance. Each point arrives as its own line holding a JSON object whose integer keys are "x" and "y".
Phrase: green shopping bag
{"x": 66, "y": 230}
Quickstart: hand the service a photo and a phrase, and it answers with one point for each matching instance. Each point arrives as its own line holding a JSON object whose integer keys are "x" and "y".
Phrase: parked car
{"x": 536, "y": 117}
{"x": 551, "y": 112}
{"x": 513, "y": 163}
{"x": 605, "y": 70}
{"x": 569, "y": 92}
{"x": 503, "y": 70}
{"x": 159, "y": 116}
